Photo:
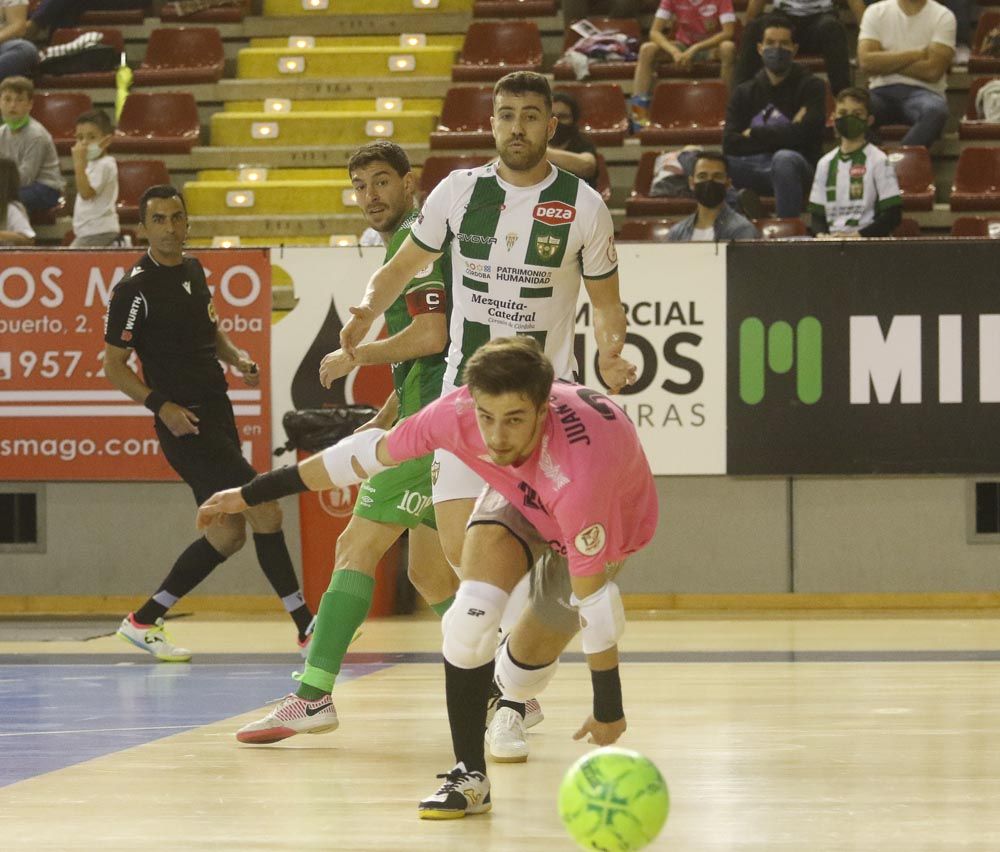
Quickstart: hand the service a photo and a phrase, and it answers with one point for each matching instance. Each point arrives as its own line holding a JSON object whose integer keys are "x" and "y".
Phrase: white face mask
{"x": 94, "y": 151}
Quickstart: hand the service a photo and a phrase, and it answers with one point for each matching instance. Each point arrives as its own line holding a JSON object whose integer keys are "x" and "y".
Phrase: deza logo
{"x": 554, "y": 213}
{"x": 779, "y": 348}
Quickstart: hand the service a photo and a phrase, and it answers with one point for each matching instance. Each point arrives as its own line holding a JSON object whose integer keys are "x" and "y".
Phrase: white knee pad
{"x": 470, "y": 624}
{"x": 520, "y": 684}
{"x": 338, "y": 458}
{"x": 602, "y": 618}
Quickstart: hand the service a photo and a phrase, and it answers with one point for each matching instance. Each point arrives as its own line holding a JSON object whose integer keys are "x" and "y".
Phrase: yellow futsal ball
{"x": 613, "y": 799}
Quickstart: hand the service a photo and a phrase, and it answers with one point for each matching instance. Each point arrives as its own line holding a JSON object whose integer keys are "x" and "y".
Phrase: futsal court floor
{"x": 774, "y": 732}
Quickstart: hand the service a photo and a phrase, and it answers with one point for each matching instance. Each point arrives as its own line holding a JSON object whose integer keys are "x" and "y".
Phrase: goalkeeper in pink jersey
{"x": 569, "y": 495}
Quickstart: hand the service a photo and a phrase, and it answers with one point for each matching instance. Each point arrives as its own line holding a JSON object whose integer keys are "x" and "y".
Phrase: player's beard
{"x": 522, "y": 159}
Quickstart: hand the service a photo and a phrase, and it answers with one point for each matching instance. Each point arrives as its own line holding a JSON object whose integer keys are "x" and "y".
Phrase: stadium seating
{"x": 602, "y": 183}
{"x": 981, "y": 63}
{"x": 645, "y": 230}
{"x": 160, "y": 123}
{"x": 907, "y": 228}
{"x": 242, "y": 129}
{"x": 976, "y": 226}
{"x": 915, "y": 175}
{"x": 971, "y": 126}
{"x": 85, "y": 79}
{"x": 134, "y": 178}
{"x": 562, "y": 70}
{"x": 689, "y": 112}
{"x": 322, "y": 8}
{"x": 977, "y": 180}
{"x": 514, "y": 8}
{"x": 465, "y": 119}
{"x": 641, "y": 203}
{"x": 181, "y": 56}
{"x": 354, "y": 62}
{"x": 270, "y": 198}
{"x": 220, "y": 15}
{"x": 781, "y": 229}
{"x": 112, "y": 17}
{"x": 602, "y": 111}
{"x": 437, "y": 168}
{"x": 492, "y": 49}
{"x": 58, "y": 112}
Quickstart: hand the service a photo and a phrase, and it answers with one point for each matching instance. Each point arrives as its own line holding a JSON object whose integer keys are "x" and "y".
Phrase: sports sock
{"x": 191, "y": 567}
{"x": 342, "y": 611}
{"x": 441, "y": 607}
{"x": 272, "y": 554}
{"x": 513, "y": 705}
{"x": 467, "y": 691}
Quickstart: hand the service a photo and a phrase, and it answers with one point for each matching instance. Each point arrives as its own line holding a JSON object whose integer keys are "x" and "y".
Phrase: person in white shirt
{"x": 95, "y": 219}
{"x": 906, "y": 47}
{"x": 15, "y": 229}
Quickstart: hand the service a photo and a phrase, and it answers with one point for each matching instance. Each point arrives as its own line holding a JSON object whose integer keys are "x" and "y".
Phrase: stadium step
{"x": 349, "y": 62}
{"x": 340, "y": 8}
{"x": 382, "y": 106}
{"x": 318, "y": 128}
{"x": 279, "y": 198}
{"x": 405, "y": 40}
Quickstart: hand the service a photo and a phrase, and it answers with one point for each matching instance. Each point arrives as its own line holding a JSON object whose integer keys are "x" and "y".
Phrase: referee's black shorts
{"x": 211, "y": 460}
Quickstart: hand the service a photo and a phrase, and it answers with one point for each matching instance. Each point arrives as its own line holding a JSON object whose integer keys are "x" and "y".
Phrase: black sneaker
{"x": 461, "y": 793}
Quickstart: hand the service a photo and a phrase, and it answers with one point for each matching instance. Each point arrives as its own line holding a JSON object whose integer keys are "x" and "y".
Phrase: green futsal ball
{"x": 614, "y": 800}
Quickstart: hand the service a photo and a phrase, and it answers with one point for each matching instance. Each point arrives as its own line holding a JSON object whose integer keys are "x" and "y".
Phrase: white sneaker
{"x": 532, "y": 709}
{"x": 153, "y": 639}
{"x": 461, "y": 793}
{"x": 291, "y": 716}
{"x": 506, "y": 738}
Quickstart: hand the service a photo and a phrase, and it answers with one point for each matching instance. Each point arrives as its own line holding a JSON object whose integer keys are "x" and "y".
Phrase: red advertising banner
{"x": 60, "y": 418}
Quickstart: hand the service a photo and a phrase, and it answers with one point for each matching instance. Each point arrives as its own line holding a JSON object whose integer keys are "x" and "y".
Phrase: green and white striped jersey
{"x": 851, "y": 189}
{"x": 517, "y": 256}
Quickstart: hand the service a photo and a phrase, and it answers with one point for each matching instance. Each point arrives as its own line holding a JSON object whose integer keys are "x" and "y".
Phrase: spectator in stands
{"x": 15, "y": 229}
{"x": 816, "y": 28}
{"x": 569, "y": 148}
{"x": 18, "y": 56}
{"x": 29, "y": 145}
{"x": 855, "y": 192}
{"x": 906, "y": 47}
{"x": 774, "y": 124}
{"x": 95, "y": 219}
{"x": 575, "y": 10}
{"x": 684, "y": 32}
{"x": 713, "y": 220}
{"x": 51, "y": 15}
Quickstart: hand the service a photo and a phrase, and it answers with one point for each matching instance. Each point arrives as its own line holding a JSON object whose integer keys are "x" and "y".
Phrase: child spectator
{"x": 15, "y": 229}
{"x": 95, "y": 219}
{"x": 29, "y": 145}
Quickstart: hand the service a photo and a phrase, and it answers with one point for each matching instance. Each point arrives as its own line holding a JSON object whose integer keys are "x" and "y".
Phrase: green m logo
{"x": 782, "y": 349}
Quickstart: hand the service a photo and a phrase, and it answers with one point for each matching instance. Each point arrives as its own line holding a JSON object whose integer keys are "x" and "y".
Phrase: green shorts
{"x": 400, "y": 496}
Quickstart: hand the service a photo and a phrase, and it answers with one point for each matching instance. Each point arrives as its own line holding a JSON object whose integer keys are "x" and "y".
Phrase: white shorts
{"x": 452, "y": 480}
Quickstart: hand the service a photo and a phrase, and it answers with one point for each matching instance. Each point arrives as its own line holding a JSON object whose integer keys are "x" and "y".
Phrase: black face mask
{"x": 564, "y": 132}
{"x": 850, "y": 126}
{"x": 777, "y": 59}
{"x": 709, "y": 193}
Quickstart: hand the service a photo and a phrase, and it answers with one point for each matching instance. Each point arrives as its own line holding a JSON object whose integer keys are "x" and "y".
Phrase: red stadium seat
{"x": 160, "y": 123}
{"x": 437, "y": 168}
{"x": 58, "y": 112}
{"x": 915, "y": 175}
{"x": 645, "y": 230}
{"x": 971, "y": 126}
{"x": 977, "y": 180}
{"x": 562, "y": 70}
{"x": 641, "y": 203}
{"x": 514, "y": 8}
{"x": 465, "y": 119}
{"x": 86, "y": 79}
{"x": 976, "y": 226}
{"x": 495, "y": 48}
{"x": 134, "y": 178}
{"x": 982, "y": 63}
{"x": 220, "y": 15}
{"x": 181, "y": 56}
{"x": 907, "y": 228}
{"x": 688, "y": 112}
{"x": 781, "y": 229}
{"x": 602, "y": 111}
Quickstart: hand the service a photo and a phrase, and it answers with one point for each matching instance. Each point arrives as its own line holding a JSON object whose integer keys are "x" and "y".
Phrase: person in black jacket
{"x": 774, "y": 124}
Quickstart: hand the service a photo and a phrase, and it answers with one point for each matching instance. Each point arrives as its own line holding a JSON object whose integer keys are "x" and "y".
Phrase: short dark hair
{"x": 522, "y": 82}
{"x": 856, "y": 93}
{"x": 511, "y": 365}
{"x": 777, "y": 19}
{"x": 380, "y": 151}
{"x": 18, "y": 85}
{"x": 163, "y": 190}
{"x": 712, "y": 154}
{"x": 570, "y": 101}
{"x": 99, "y": 118}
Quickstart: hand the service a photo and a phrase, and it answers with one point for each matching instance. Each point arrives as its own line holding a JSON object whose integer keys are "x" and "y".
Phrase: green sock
{"x": 342, "y": 611}
{"x": 442, "y": 606}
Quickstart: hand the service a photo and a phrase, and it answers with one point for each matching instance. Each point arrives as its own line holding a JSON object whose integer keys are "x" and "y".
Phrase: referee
{"x": 163, "y": 310}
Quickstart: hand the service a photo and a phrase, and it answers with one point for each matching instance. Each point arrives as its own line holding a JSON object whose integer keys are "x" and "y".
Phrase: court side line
{"x": 103, "y": 730}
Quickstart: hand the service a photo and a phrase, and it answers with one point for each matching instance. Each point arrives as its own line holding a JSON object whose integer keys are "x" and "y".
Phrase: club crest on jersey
{"x": 554, "y": 213}
{"x": 547, "y": 246}
{"x": 511, "y": 239}
{"x": 591, "y": 541}
{"x": 213, "y": 317}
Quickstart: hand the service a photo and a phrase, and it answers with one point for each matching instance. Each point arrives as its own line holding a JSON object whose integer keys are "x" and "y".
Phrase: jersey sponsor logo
{"x": 531, "y": 498}
{"x": 554, "y": 213}
{"x": 476, "y": 239}
{"x": 709, "y": 10}
{"x": 612, "y": 251}
{"x": 478, "y": 270}
{"x": 133, "y": 315}
{"x": 858, "y": 170}
{"x": 591, "y": 541}
{"x": 547, "y": 246}
{"x": 550, "y": 467}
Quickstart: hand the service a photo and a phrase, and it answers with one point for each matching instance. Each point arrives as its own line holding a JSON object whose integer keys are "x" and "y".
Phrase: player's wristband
{"x": 155, "y": 401}
{"x": 266, "y": 487}
{"x": 607, "y": 695}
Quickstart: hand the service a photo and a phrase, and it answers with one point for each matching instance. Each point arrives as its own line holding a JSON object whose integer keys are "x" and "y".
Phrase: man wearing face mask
{"x": 714, "y": 220}
{"x": 569, "y": 148}
{"x": 855, "y": 192}
{"x": 774, "y": 124}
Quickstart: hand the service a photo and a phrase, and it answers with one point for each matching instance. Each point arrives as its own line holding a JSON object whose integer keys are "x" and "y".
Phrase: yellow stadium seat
{"x": 319, "y": 8}
{"x": 256, "y": 174}
{"x": 241, "y": 129}
{"x": 402, "y": 40}
{"x": 381, "y": 105}
{"x": 289, "y": 197}
{"x": 254, "y": 63}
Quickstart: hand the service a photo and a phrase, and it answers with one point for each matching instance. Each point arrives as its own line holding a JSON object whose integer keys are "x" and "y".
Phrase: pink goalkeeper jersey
{"x": 696, "y": 19}
{"x": 587, "y": 487}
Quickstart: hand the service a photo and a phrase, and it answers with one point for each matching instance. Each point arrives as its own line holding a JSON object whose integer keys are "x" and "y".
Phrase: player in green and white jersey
{"x": 398, "y": 499}
{"x": 855, "y": 192}
{"x": 521, "y": 234}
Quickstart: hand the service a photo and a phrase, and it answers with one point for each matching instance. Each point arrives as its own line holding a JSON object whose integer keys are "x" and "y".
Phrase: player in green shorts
{"x": 398, "y": 499}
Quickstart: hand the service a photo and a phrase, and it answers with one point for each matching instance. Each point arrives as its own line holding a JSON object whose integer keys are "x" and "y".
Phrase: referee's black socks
{"x": 191, "y": 567}
{"x": 275, "y": 562}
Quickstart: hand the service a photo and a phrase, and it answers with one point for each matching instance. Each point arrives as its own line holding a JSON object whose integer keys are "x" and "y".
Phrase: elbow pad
{"x": 362, "y": 446}
{"x": 602, "y": 618}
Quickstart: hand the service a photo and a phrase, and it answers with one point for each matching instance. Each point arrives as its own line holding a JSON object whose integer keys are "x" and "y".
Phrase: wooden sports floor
{"x": 775, "y": 732}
